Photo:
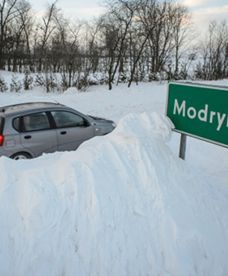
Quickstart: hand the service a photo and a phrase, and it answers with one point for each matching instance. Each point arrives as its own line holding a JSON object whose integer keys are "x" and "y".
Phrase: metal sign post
{"x": 183, "y": 142}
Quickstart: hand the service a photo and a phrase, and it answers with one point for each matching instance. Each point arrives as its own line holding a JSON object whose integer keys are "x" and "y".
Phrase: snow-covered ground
{"x": 122, "y": 204}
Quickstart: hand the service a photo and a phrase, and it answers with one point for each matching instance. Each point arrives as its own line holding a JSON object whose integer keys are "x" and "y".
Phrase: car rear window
{"x": 32, "y": 122}
{"x": 1, "y": 124}
{"x": 35, "y": 122}
{"x": 16, "y": 124}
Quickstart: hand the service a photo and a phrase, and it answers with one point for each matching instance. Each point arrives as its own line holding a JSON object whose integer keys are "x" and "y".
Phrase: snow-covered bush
{"x": 47, "y": 80}
{"x": 15, "y": 85}
{"x": 83, "y": 83}
{"x": 50, "y": 82}
{"x": 63, "y": 83}
{"x": 28, "y": 81}
{"x": 39, "y": 80}
{"x": 3, "y": 85}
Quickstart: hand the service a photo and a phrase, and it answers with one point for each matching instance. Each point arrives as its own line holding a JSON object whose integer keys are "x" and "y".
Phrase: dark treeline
{"x": 134, "y": 40}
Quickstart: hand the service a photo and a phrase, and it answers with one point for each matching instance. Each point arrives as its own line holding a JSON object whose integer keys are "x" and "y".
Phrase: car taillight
{"x": 1, "y": 140}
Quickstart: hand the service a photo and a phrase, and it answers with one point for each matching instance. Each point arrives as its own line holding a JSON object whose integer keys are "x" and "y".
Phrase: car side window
{"x": 65, "y": 119}
{"x": 16, "y": 124}
{"x": 35, "y": 122}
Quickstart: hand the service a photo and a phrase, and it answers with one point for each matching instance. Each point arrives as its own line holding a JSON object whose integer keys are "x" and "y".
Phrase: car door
{"x": 72, "y": 129}
{"x": 37, "y": 134}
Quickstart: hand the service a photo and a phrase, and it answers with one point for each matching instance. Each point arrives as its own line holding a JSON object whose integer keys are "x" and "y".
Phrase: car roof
{"x": 29, "y": 106}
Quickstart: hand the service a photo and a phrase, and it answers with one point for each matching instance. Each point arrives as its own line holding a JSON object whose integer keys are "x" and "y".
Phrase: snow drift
{"x": 122, "y": 204}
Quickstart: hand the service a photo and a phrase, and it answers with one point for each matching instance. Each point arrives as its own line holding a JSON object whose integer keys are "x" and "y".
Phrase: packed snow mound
{"x": 121, "y": 204}
{"x": 144, "y": 126}
{"x": 71, "y": 91}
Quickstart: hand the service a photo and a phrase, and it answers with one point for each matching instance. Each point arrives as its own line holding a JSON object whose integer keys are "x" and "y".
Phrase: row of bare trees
{"x": 134, "y": 40}
{"x": 144, "y": 37}
{"x": 214, "y": 53}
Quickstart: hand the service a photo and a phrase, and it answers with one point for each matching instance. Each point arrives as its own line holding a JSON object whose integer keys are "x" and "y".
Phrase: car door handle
{"x": 63, "y": 132}
{"x": 28, "y": 137}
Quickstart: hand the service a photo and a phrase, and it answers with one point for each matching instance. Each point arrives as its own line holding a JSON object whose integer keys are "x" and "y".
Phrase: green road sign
{"x": 200, "y": 111}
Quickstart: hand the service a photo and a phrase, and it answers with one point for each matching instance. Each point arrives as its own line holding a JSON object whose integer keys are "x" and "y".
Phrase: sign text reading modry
{"x": 199, "y": 111}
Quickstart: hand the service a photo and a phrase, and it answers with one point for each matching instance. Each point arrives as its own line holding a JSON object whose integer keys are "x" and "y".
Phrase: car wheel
{"x": 20, "y": 156}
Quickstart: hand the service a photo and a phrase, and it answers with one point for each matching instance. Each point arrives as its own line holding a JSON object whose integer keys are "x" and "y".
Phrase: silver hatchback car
{"x": 27, "y": 130}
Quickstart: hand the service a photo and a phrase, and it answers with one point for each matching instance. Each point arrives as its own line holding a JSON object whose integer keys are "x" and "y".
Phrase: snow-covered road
{"x": 122, "y": 204}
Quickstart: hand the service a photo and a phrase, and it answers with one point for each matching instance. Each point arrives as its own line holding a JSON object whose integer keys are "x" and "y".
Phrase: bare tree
{"x": 180, "y": 19}
{"x": 26, "y": 21}
{"x": 20, "y": 49}
{"x": 8, "y": 13}
{"x": 214, "y": 52}
{"x": 145, "y": 10}
{"x": 117, "y": 23}
{"x": 46, "y": 28}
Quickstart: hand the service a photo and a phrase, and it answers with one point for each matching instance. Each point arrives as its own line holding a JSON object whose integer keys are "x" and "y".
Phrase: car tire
{"x": 21, "y": 156}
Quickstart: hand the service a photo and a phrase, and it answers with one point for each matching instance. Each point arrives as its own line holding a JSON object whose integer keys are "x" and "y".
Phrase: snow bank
{"x": 122, "y": 204}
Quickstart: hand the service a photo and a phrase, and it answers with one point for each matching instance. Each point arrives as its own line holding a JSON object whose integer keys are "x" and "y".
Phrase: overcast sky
{"x": 202, "y": 11}
{"x": 75, "y": 9}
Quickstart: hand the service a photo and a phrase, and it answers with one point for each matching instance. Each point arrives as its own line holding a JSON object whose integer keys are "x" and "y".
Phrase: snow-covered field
{"x": 123, "y": 204}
